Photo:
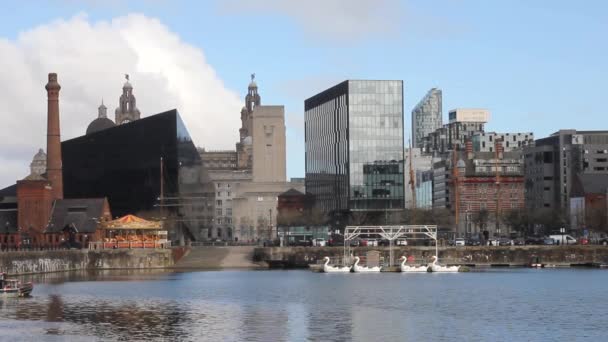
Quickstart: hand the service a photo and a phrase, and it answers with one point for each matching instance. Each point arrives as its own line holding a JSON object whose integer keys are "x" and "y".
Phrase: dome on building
{"x": 40, "y": 156}
{"x": 247, "y": 140}
{"x": 127, "y": 85}
{"x": 37, "y": 166}
{"x": 253, "y": 84}
{"x": 244, "y": 109}
{"x": 99, "y": 124}
{"x": 460, "y": 163}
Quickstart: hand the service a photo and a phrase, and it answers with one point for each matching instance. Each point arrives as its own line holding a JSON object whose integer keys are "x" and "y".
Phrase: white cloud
{"x": 91, "y": 59}
{"x": 344, "y": 20}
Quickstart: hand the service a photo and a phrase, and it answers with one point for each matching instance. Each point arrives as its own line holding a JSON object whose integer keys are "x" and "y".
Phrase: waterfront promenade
{"x": 252, "y": 257}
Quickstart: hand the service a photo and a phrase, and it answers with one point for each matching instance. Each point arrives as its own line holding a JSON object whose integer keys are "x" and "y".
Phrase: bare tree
{"x": 480, "y": 218}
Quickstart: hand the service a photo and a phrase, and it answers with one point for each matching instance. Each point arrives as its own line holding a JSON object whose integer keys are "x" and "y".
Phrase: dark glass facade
{"x": 354, "y": 146}
{"x": 123, "y": 164}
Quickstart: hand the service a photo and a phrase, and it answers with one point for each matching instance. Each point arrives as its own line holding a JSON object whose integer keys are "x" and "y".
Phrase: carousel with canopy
{"x": 131, "y": 231}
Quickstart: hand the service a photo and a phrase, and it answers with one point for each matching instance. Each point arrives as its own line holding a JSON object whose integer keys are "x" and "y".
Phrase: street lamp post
{"x": 562, "y": 230}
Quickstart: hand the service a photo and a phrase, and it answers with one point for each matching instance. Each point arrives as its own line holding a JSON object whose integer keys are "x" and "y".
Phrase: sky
{"x": 538, "y": 66}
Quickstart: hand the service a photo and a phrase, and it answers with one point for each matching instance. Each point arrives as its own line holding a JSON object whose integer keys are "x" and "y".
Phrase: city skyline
{"x": 532, "y": 79}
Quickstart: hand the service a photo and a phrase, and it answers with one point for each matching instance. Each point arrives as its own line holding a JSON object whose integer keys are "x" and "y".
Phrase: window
{"x": 228, "y": 193}
{"x": 218, "y": 212}
{"x": 219, "y": 185}
{"x": 219, "y": 194}
{"x": 218, "y": 203}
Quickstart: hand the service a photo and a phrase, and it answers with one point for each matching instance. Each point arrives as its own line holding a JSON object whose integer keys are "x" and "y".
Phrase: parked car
{"x": 603, "y": 241}
{"x": 519, "y": 241}
{"x": 459, "y": 242}
{"x": 535, "y": 240}
{"x": 401, "y": 242}
{"x": 493, "y": 242}
{"x": 319, "y": 242}
{"x": 372, "y": 242}
{"x": 548, "y": 241}
{"x": 583, "y": 241}
{"x": 503, "y": 241}
{"x": 473, "y": 242}
{"x": 336, "y": 240}
{"x": 563, "y": 239}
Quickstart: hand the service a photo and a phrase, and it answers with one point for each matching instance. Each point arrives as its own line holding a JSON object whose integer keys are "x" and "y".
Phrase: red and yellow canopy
{"x": 132, "y": 222}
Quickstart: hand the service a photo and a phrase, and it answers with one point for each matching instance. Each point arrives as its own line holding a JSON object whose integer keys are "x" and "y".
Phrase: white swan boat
{"x": 334, "y": 269}
{"x": 408, "y": 268}
{"x": 364, "y": 269}
{"x": 438, "y": 268}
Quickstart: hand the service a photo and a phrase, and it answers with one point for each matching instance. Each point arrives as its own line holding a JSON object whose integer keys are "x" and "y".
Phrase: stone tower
{"x": 127, "y": 108}
{"x": 244, "y": 146}
{"x": 53, "y": 140}
{"x": 38, "y": 164}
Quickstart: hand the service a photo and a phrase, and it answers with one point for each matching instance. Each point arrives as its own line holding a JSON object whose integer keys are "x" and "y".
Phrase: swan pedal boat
{"x": 334, "y": 269}
{"x": 364, "y": 269}
{"x": 433, "y": 267}
{"x": 410, "y": 269}
{"x": 14, "y": 288}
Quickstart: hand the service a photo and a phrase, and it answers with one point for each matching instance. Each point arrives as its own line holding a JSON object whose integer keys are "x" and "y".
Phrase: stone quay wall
{"x": 474, "y": 256}
{"x": 31, "y": 262}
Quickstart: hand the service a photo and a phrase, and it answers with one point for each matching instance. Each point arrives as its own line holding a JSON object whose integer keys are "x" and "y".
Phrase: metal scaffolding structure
{"x": 390, "y": 233}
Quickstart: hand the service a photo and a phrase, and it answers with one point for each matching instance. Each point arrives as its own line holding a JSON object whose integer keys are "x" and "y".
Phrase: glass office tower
{"x": 354, "y": 146}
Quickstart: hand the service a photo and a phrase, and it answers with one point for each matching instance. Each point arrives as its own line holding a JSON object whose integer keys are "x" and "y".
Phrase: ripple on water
{"x": 300, "y": 305}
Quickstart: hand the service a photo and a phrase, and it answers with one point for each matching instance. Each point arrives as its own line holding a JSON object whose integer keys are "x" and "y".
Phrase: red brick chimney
{"x": 499, "y": 148}
{"x": 53, "y": 141}
{"x": 469, "y": 149}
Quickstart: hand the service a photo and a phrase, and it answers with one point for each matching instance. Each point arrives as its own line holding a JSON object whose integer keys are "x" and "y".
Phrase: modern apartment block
{"x": 463, "y": 124}
{"x": 484, "y": 141}
{"x": 354, "y": 146}
{"x": 426, "y": 116}
{"x": 554, "y": 162}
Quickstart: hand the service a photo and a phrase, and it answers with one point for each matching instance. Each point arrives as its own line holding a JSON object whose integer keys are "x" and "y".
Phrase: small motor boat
{"x": 14, "y": 288}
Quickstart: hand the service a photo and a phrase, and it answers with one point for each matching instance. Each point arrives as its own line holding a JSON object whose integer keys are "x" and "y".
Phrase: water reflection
{"x": 300, "y": 305}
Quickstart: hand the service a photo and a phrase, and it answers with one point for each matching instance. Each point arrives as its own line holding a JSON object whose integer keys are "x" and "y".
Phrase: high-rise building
{"x": 426, "y": 116}
{"x": 354, "y": 146}
{"x": 554, "y": 162}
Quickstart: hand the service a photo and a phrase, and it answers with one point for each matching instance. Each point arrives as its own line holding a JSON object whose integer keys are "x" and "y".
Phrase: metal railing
{"x": 129, "y": 245}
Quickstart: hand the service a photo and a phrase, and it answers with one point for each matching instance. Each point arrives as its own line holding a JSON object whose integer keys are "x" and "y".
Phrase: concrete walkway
{"x": 211, "y": 257}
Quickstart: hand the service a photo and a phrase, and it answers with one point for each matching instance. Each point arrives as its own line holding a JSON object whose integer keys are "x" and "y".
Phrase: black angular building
{"x": 354, "y": 146}
{"x": 123, "y": 163}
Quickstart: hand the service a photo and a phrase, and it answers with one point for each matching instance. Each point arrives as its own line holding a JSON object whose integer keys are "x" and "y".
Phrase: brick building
{"x": 481, "y": 183}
